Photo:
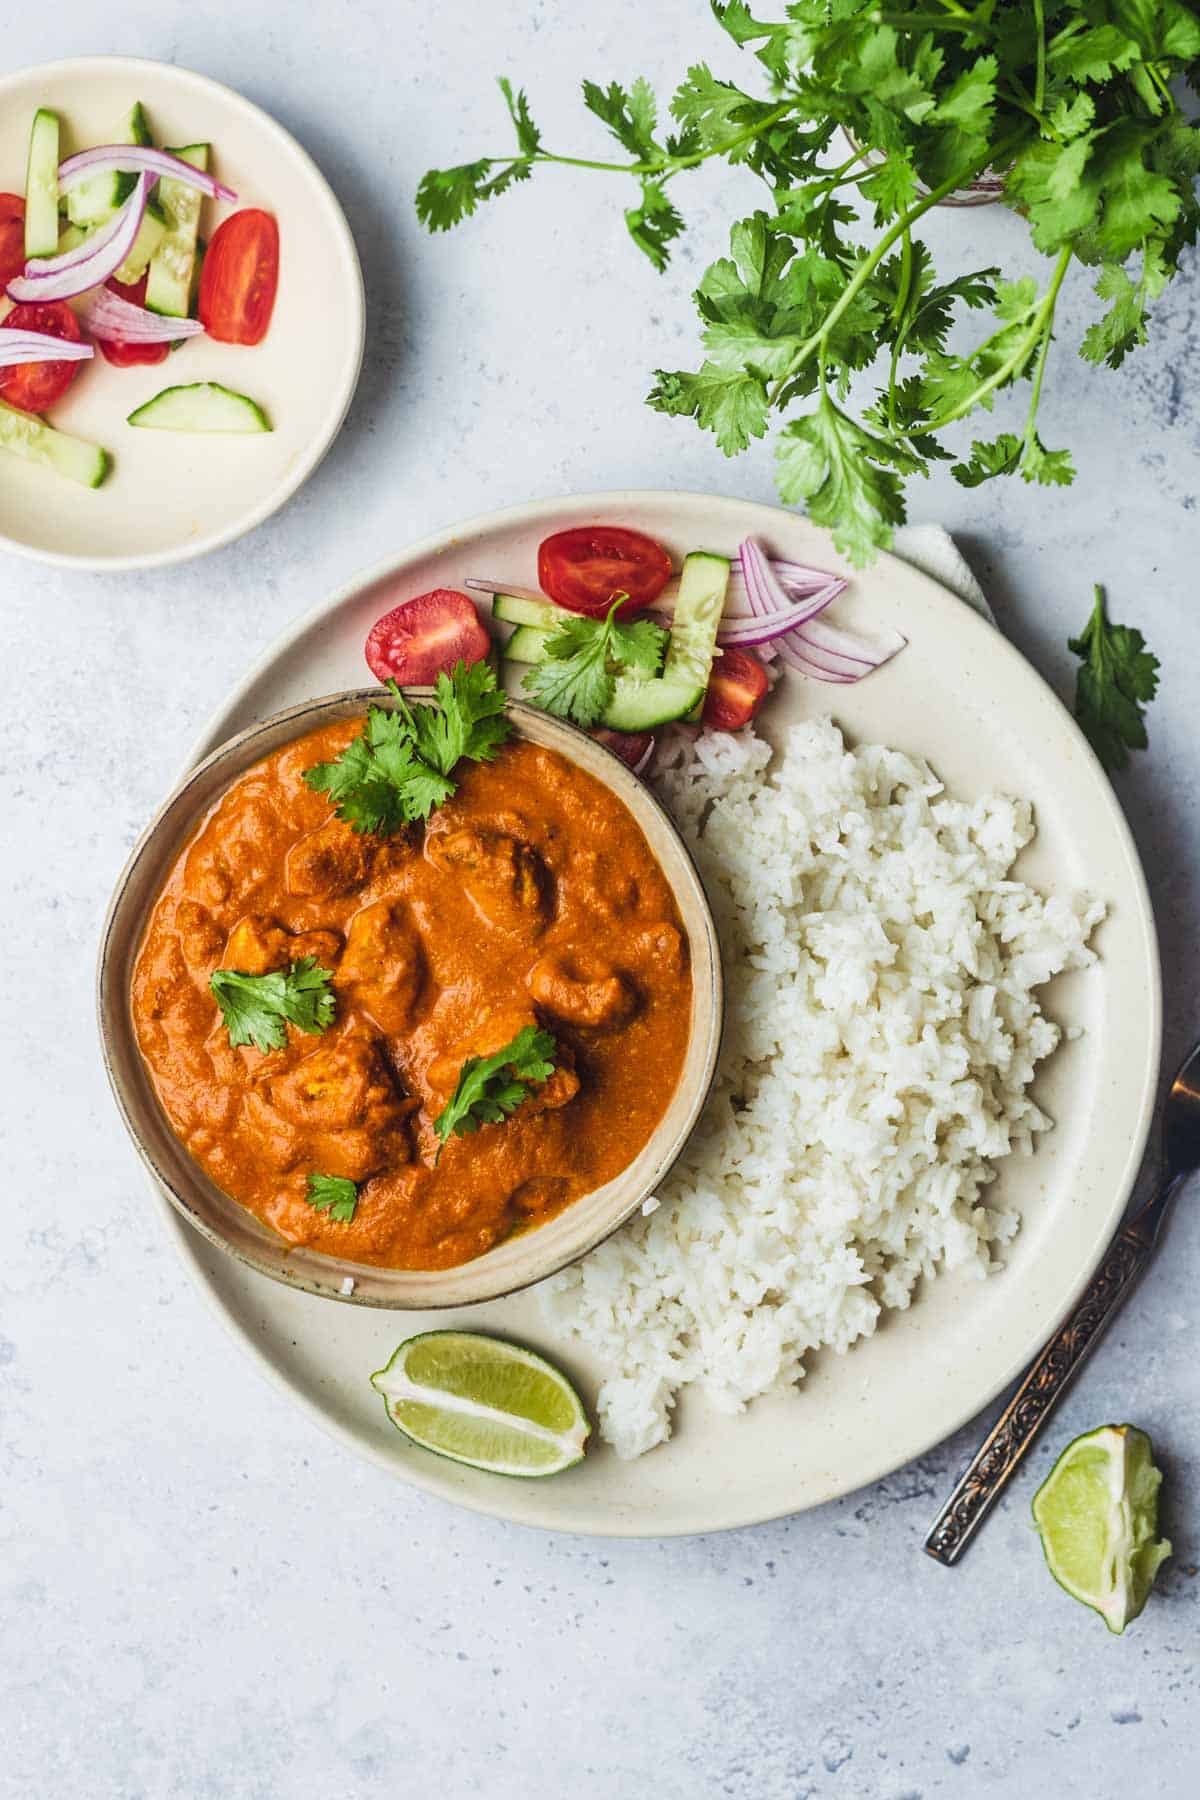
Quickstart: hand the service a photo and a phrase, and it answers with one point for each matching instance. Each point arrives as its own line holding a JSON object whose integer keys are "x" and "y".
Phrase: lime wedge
{"x": 481, "y": 1401}
{"x": 1097, "y": 1512}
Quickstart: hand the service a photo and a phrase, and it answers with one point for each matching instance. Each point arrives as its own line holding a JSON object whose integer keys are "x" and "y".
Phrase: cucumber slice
{"x": 680, "y": 689}
{"x": 542, "y": 614}
{"x": 71, "y": 237}
{"x": 41, "y": 185}
{"x": 527, "y": 645}
{"x": 169, "y": 288}
{"x": 97, "y": 198}
{"x": 151, "y": 232}
{"x": 35, "y": 441}
{"x": 201, "y": 406}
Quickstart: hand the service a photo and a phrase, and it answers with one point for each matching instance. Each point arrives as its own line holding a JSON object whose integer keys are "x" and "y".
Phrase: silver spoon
{"x": 985, "y": 1478}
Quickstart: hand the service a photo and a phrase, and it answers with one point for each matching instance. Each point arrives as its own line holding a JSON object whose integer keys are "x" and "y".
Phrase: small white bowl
{"x": 171, "y": 496}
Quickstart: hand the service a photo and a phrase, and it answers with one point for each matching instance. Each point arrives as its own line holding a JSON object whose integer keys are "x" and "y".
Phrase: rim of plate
{"x": 323, "y": 440}
{"x": 512, "y": 1505}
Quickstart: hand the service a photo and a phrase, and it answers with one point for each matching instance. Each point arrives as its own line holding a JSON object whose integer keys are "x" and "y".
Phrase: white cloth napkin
{"x": 931, "y": 549}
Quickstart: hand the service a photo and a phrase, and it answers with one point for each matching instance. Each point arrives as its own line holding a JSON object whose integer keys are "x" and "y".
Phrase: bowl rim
{"x": 299, "y": 1266}
{"x": 310, "y": 458}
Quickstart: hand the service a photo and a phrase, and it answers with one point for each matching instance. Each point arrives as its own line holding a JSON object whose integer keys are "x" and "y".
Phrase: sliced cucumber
{"x": 151, "y": 232}
{"x": 679, "y": 690}
{"x": 41, "y": 185}
{"x": 527, "y": 645}
{"x": 201, "y": 406}
{"x": 33, "y": 439}
{"x": 71, "y": 237}
{"x": 511, "y": 609}
{"x": 97, "y": 198}
{"x": 169, "y": 288}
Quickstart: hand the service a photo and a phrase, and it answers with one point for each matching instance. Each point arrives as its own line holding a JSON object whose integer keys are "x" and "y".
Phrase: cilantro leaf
{"x": 1116, "y": 681}
{"x": 630, "y": 114}
{"x": 583, "y": 656}
{"x": 529, "y": 138}
{"x": 257, "y": 1009}
{"x": 734, "y": 407}
{"x": 849, "y": 478}
{"x": 333, "y": 1194}
{"x": 401, "y": 769}
{"x": 655, "y": 223}
{"x": 490, "y": 1088}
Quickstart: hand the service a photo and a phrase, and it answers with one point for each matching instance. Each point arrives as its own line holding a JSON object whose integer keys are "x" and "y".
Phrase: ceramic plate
{"x": 173, "y": 495}
{"x": 964, "y": 697}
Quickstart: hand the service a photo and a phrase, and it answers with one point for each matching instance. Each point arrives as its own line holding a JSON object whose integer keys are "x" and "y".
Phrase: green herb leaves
{"x": 583, "y": 657}
{"x": 257, "y": 1009}
{"x": 401, "y": 768}
{"x": 1071, "y": 105}
{"x": 1117, "y": 678}
{"x": 334, "y": 1195}
{"x": 490, "y": 1088}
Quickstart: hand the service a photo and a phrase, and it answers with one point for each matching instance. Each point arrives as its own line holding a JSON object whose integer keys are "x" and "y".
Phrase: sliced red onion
{"x": 40, "y": 346}
{"x": 132, "y": 159}
{"x": 506, "y": 587}
{"x": 644, "y": 760}
{"x": 814, "y": 646}
{"x": 106, "y": 315}
{"x": 90, "y": 263}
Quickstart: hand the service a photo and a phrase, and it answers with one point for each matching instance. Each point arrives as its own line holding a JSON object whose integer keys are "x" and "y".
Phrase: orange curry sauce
{"x": 531, "y": 896}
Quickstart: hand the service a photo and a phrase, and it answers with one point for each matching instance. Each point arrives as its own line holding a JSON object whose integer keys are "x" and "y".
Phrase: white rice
{"x": 882, "y": 1034}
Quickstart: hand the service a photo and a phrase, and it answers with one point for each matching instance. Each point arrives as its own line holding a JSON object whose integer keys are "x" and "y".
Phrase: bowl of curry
{"x": 548, "y": 903}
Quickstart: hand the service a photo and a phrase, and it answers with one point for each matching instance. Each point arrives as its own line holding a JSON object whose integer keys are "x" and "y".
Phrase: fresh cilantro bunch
{"x": 1117, "y": 677}
{"x": 896, "y": 104}
{"x": 402, "y": 766}
{"x": 257, "y": 1009}
{"x": 490, "y": 1088}
{"x": 583, "y": 658}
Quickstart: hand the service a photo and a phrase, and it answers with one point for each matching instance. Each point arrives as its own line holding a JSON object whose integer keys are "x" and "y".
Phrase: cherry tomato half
{"x": 414, "y": 642}
{"x": 35, "y": 387}
{"x": 116, "y": 350}
{"x": 586, "y": 568}
{"x": 239, "y": 278}
{"x": 736, "y": 689}
{"x": 630, "y": 746}
{"x": 12, "y": 237}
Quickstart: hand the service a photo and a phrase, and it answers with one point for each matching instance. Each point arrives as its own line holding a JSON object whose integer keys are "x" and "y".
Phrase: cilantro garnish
{"x": 490, "y": 1088}
{"x": 401, "y": 768}
{"x": 334, "y": 1195}
{"x": 1116, "y": 679}
{"x": 257, "y": 1009}
{"x": 583, "y": 655}
{"x": 868, "y": 116}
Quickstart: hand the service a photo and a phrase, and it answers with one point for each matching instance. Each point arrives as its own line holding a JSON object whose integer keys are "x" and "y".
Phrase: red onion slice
{"x": 645, "y": 759}
{"x": 106, "y": 315}
{"x": 814, "y": 646}
{"x": 90, "y": 263}
{"x": 507, "y": 587}
{"x": 132, "y": 159}
{"x": 39, "y": 346}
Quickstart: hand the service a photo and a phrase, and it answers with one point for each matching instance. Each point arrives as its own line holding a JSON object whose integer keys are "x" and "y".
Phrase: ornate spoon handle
{"x": 984, "y": 1480}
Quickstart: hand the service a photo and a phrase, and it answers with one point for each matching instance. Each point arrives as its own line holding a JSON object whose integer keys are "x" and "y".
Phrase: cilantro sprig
{"x": 332, "y": 1194}
{"x": 257, "y": 1009}
{"x": 583, "y": 657}
{"x": 827, "y": 284}
{"x": 490, "y": 1088}
{"x": 402, "y": 767}
{"x": 1116, "y": 680}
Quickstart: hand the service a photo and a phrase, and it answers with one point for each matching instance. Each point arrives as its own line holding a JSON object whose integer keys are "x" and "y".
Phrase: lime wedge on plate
{"x": 481, "y": 1401}
{"x": 1097, "y": 1512}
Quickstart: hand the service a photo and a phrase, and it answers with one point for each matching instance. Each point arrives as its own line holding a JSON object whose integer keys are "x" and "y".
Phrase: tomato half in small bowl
{"x": 12, "y": 237}
{"x": 239, "y": 278}
{"x": 35, "y": 387}
{"x": 737, "y": 688}
{"x": 117, "y": 351}
{"x": 418, "y": 640}
{"x": 588, "y": 567}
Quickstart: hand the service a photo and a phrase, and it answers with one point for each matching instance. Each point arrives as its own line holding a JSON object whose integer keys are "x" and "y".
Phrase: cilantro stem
{"x": 1043, "y": 320}
{"x": 1039, "y": 92}
{"x": 868, "y": 266}
{"x": 662, "y": 165}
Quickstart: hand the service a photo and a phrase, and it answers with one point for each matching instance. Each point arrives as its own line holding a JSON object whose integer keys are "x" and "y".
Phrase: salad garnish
{"x": 1117, "y": 679}
{"x": 401, "y": 768}
{"x": 583, "y": 656}
{"x": 332, "y": 1194}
